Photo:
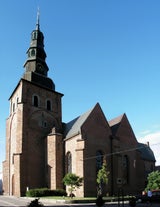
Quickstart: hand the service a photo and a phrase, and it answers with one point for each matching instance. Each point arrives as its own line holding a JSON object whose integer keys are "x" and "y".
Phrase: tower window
{"x": 48, "y": 103}
{"x": 45, "y": 124}
{"x": 34, "y": 35}
{"x": 35, "y": 101}
{"x": 32, "y": 52}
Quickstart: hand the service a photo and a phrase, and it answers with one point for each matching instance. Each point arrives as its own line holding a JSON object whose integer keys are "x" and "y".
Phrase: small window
{"x": 13, "y": 107}
{"x": 48, "y": 105}
{"x": 12, "y": 158}
{"x": 44, "y": 124}
{"x": 32, "y": 52}
{"x": 17, "y": 101}
{"x": 35, "y": 101}
{"x": 34, "y": 35}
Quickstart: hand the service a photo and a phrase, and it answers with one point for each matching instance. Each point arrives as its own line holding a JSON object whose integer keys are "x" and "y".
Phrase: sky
{"x": 105, "y": 51}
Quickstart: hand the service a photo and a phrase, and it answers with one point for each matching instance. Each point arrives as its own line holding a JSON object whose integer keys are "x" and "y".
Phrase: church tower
{"x": 34, "y": 145}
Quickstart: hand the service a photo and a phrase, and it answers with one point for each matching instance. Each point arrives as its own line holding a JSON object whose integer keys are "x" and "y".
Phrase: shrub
{"x": 37, "y": 192}
{"x": 40, "y": 192}
{"x": 59, "y": 192}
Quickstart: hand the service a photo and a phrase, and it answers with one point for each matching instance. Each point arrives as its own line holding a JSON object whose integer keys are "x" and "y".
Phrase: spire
{"x": 38, "y": 18}
{"x": 35, "y": 65}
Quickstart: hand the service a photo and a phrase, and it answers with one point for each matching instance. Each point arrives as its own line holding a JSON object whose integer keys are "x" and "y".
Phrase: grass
{"x": 72, "y": 200}
{"x": 68, "y": 198}
{"x": 83, "y": 199}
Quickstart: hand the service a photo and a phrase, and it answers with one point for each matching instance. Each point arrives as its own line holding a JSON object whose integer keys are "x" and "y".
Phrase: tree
{"x": 102, "y": 177}
{"x": 153, "y": 181}
{"x": 73, "y": 181}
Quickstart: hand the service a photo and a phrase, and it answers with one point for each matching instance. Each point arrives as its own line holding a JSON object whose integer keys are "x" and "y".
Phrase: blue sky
{"x": 105, "y": 51}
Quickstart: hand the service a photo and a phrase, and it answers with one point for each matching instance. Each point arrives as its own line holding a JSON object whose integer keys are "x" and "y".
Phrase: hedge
{"x": 40, "y": 192}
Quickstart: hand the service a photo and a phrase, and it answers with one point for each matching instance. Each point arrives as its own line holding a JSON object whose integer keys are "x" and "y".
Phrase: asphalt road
{"x": 23, "y": 202}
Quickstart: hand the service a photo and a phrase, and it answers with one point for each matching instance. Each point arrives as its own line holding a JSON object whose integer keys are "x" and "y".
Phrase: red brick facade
{"x": 28, "y": 138}
{"x": 38, "y": 143}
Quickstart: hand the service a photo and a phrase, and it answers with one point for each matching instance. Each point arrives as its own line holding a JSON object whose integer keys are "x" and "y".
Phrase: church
{"x": 41, "y": 149}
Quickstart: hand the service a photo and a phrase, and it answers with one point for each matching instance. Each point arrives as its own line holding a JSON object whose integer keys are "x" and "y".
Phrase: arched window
{"x": 99, "y": 160}
{"x": 35, "y": 101}
{"x": 69, "y": 162}
{"x": 48, "y": 103}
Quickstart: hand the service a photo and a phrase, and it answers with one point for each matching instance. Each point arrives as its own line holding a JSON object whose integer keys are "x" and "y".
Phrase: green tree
{"x": 73, "y": 181}
{"x": 102, "y": 177}
{"x": 153, "y": 181}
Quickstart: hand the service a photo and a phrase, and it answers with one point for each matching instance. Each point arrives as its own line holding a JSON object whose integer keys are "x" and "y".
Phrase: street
{"x": 23, "y": 202}
{"x": 12, "y": 201}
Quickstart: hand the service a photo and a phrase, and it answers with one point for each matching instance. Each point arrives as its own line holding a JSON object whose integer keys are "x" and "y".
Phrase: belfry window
{"x": 33, "y": 52}
{"x": 34, "y": 35}
{"x": 48, "y": 105}
{"x": 35, "y": 101}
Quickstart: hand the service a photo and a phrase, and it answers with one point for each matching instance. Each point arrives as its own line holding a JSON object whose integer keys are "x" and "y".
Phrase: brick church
{"x": 41, "y": 149}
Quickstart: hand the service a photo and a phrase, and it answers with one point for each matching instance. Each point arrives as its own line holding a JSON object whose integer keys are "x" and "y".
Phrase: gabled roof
{"x": 74, "y": 127}
{"x": 146, "y": 152}
{"x": 114, "y": 123}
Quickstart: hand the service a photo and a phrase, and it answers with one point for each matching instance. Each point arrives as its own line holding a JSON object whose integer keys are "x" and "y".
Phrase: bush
{"x": 40, "y": 192}
{"x": 59, "y": 192}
